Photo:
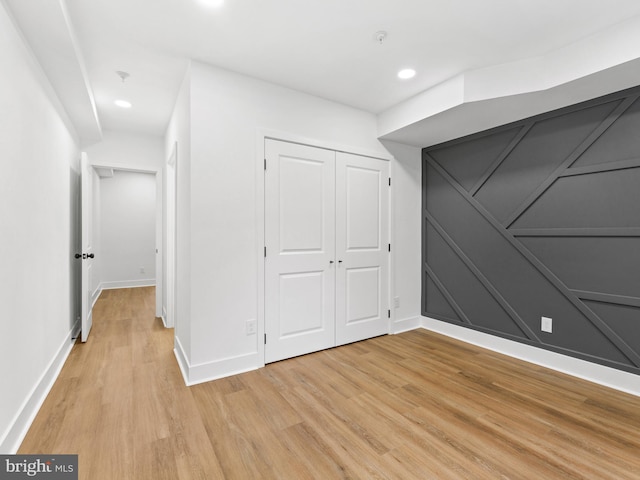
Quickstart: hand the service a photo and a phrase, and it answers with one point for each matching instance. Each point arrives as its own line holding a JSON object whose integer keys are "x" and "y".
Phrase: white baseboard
{"x": 181, "y": 357}
{"x": 405, "y": 324}
{"x": 96, "y": 295}
{"x": 609, "y": 377}
{"x": 166, "y": 320}
{"x": 602, "y": 375}
{"x": 23, "y": 420}
{"x": 149, "y": 282}
{"x": 206, "y": 372}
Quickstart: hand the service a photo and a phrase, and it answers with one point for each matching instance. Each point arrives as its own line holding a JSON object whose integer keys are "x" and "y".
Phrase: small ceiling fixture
{"x": 123, "y": 75}
{"x": 380, "y": 36}
{"x": 406, "y": 73}
{"x": 123, "y": 103}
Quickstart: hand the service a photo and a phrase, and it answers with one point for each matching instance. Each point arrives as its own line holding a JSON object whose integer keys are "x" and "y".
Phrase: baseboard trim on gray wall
{"x": 593, "y": 372}
{"x": 23, "y": 420}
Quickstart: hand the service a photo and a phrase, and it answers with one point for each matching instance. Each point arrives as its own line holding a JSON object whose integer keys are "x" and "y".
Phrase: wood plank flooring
{"x": 410, "y": 406}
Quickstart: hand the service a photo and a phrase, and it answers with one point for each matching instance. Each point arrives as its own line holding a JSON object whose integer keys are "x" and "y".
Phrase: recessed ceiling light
{"x": 123, "y": 103}
{"x": 406, "y": 73}
{"x": 212, "y": 3}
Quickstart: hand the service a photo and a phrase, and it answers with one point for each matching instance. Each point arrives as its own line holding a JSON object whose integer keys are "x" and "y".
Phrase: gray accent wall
{"x": 541, "y": 218}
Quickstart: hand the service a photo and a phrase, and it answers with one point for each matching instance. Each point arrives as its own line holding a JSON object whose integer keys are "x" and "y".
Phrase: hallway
{"x": 120, "y": 401}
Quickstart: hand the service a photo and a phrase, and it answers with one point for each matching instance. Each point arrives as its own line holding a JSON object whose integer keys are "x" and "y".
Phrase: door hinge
{"x": 265, "y": 338}
{"x": 389, "y": 247}
{"x": 265, "y": 252}
{"x": 265, "y": 163}
{"x": 388, "y": 313}
{"x": 389, "y": 181}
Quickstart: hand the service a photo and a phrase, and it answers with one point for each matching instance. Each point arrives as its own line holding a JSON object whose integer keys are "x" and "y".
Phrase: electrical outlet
{"x": 141, "y": 269}
{"x": 546, "y": 324}
{"x": 251, "y": 327}
{"x": 396, "y": 302}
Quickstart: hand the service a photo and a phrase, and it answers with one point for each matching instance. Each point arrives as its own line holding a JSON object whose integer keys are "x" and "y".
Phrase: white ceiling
{"x": 322, "y": 47}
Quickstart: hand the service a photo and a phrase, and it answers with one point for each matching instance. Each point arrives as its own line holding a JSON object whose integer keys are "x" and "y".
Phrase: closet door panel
{"x": 362, "y": 239}
{"x": 300, "y": 244}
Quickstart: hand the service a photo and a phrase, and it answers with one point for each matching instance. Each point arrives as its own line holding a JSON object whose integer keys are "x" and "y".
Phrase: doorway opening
{"x": 122, "y": 228}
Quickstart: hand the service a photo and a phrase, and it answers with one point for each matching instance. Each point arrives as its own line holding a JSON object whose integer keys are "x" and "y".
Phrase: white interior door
{"x": 362, "y": 247}
{"x": 300, "y": 250}
{"x": 87, "y": 254}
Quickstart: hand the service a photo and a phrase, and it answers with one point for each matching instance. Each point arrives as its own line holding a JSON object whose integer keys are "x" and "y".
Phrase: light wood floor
{"x": 409, "y": 406}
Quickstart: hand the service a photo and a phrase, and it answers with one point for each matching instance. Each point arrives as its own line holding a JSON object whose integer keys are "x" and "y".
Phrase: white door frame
{"x": 171, "y": 184}
{"x": 262, "y": 135}
{"x": 158, "y": 218}
{"x": 159, "y": 244}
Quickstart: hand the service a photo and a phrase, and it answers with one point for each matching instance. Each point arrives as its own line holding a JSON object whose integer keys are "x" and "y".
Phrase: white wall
{"x": 132, "y": 151}
{"x": 127, "y": 229}
{"x": 38, "y": 235}
{"x": 406, "y": 190}
{"x": 178, "y": 136}
{"x": 217, "y": 186}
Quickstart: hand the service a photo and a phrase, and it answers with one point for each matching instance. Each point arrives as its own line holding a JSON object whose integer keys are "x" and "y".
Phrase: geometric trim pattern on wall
{"x": 541, "y": 218}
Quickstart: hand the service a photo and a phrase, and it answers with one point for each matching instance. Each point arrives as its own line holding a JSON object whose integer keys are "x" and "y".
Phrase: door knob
{"x": 78, "y": 255}
{"x": 330, "y": 261}
{"x": 90, "y": 255}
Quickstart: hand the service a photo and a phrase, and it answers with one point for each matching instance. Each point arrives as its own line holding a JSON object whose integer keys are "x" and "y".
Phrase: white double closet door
{"x": 327, "y": 249}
